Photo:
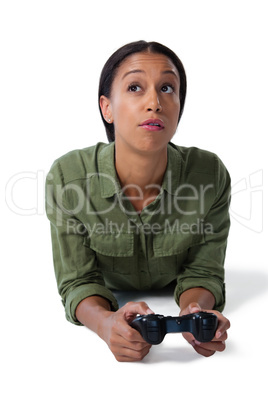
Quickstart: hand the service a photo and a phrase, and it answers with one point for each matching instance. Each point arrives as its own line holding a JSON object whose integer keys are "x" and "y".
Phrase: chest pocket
{"x": 171, "y": 250}
{"x": 115, "y": 253}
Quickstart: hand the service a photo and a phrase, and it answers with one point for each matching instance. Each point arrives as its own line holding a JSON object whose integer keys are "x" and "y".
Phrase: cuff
{"x": 82, "y": 292}
{"x": 216, "y": 288}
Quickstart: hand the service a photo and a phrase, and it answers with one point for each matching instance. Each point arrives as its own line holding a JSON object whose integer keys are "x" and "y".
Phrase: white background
{"x": 51, "y": 54}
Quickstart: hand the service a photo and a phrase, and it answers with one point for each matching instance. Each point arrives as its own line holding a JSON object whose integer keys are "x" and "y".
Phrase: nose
{"x": 153, "y": 102}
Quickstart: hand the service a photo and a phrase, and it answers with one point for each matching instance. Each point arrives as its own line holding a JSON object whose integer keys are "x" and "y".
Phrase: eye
{"x": 134, "y": 88}
{"x": 168, "y": 89}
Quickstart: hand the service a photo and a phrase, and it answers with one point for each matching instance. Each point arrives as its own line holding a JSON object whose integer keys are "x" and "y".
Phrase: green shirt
{"x": 101, "y": 243}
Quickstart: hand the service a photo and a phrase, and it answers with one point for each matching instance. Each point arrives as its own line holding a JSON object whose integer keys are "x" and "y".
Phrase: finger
{"x": 129, "y": 355}
{"x": 124, "y": 331}
{"x": 210, "y": 346}
{"x": 133, "y": 336}
{"x": 222, "y": 338}
{"x": 223, "y": 326}
{"x": 129, "y": 351}
{"x": 189, "y": 337}
{"x": 138, "y": 345}
{"x": 205, "y": 352}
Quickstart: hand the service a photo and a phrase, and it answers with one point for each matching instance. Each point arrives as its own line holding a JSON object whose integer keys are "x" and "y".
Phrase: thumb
{"x": 194, "y": 308}
{"x": 131, "y": 309}
{"x": 143, "y": 308}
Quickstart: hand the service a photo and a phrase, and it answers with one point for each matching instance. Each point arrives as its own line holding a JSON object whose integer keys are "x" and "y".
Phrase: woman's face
{"x": 144, "y": 104}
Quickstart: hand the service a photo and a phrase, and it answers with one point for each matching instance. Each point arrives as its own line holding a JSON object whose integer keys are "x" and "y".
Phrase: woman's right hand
{"x": 125, "y": 342}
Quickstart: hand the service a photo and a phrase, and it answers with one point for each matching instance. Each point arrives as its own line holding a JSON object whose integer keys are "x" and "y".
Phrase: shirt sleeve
{"x": 76, "y": 269}
{"x": 204, "y": 265}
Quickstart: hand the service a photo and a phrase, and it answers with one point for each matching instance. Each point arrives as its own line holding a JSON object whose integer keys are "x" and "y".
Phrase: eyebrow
{"x": 141, "y": 71}
{"x": 133, "y": 72}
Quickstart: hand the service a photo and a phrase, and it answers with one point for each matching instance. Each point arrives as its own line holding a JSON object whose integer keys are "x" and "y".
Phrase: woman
{"x": 140, "y": 212}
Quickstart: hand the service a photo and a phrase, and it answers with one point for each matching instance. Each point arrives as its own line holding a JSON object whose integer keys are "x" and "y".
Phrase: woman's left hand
{"x": 218, "y": 342}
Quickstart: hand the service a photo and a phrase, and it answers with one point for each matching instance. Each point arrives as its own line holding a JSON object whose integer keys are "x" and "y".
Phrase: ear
{"x": 105, "y": 105}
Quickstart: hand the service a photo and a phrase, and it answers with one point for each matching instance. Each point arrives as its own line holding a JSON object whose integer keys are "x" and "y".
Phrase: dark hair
{"x": 109, "y": 71}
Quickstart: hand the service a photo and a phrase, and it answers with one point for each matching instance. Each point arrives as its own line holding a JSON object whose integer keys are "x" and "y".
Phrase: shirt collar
{"x": 173, "y": 170}
{"x": 110, "y": 184}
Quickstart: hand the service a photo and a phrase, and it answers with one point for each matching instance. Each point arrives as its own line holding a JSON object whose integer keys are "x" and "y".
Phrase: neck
{"x": 141, "y": 174}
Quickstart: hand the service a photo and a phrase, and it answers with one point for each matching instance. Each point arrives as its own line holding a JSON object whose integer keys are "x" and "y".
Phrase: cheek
{"x": 177, "y": 109}
{"x": 123, "y": 111}
{"x": 174, "y": 111}
{"x": 171, "y": 104}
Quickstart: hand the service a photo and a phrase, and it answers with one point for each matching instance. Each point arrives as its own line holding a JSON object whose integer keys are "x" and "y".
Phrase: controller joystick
{"x": 154, "y": 327}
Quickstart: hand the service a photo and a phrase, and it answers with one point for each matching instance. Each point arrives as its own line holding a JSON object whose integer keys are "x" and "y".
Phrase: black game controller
{"x": 154, "y": 327}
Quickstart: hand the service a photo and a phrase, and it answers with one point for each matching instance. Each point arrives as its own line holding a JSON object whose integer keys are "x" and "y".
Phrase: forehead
{"x": 149, "y": 63}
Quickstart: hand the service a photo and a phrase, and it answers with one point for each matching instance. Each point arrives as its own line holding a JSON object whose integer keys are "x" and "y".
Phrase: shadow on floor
{"x": 241, "y": 287}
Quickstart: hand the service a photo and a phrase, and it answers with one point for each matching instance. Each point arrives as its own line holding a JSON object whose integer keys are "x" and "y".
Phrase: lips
{"x": 153, "y": 125}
